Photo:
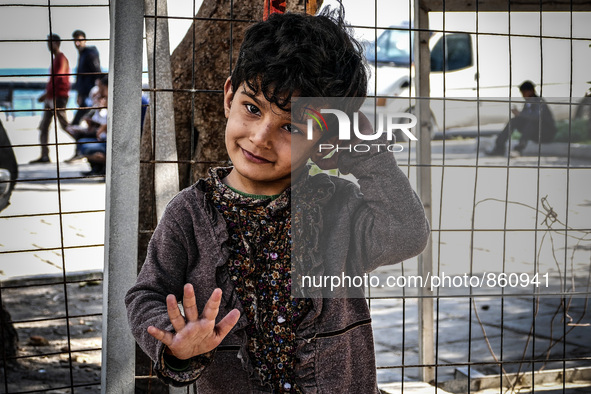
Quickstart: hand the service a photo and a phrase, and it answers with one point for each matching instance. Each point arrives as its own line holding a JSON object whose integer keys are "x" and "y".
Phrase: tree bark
{"x": 202, "y": 62}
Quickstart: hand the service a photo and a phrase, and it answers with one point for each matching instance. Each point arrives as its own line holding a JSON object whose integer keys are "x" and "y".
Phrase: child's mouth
{"x": 254, "y": 158}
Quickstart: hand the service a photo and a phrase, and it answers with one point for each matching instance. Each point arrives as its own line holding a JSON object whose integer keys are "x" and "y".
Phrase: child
{"x": 224, "y": 244}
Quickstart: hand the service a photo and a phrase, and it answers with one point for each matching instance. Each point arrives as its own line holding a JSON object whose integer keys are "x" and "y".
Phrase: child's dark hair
{"x": 303, "y": 55}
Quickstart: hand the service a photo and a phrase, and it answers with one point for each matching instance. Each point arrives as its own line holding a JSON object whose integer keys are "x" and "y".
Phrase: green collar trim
{"x": 255, "y": 196}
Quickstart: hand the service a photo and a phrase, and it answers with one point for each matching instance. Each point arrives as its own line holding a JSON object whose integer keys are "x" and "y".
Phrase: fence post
{"x": 423, "y": 112}
{"x": 122, "y": 189}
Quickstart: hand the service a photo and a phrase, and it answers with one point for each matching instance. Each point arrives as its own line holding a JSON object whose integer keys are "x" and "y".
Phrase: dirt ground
{"x": 59, "y": 329}
{"x": 59, "y": 347}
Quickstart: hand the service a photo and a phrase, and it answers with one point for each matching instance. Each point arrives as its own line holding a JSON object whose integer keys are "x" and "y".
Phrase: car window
{"x": 458, "y": 50}
{"x": 394, "y": 46}
{"x": 437, "y": 56}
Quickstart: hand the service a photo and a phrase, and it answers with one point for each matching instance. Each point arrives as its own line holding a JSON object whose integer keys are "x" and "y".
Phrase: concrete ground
{"x": 495, "y": 327}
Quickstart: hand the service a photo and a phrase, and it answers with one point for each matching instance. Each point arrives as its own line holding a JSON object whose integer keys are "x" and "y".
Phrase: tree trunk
{"x": 204, "y": 57}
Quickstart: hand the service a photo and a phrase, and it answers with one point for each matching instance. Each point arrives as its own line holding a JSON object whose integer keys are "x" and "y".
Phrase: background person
{"x": 534, "y": 115}
{"x": 87, "y": 71}
{"x": 93, "y": 119}
{"x": 94, "y": 148}
{"x": 56, "y": 95}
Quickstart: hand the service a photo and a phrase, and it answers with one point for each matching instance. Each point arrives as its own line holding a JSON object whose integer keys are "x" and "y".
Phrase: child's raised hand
{"x": 194, "y": 334}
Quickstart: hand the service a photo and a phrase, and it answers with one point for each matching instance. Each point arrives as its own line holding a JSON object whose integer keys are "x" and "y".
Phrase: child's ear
{"x": 228, "y": 96}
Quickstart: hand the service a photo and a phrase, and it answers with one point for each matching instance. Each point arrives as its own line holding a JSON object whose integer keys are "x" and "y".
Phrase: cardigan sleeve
{"x": 163, "y": 273}
{"x": 389, "y": 222}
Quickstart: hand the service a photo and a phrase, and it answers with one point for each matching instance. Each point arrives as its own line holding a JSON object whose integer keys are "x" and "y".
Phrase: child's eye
{"x": 253, "y": 109}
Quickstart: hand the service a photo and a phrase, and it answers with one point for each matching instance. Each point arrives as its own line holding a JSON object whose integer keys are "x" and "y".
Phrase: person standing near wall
{"x": 87, "y": 71}
{"x": 55, "y": 97}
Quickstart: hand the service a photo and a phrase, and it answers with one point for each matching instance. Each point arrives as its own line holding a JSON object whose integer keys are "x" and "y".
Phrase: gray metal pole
{"x": 423, "y": 112}
{"x": 121, "y": 218}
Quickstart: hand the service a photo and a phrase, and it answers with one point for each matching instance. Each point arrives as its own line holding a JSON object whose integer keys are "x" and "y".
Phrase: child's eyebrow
{"x": 251, "y": 95}
{"x": 286, "y": 114}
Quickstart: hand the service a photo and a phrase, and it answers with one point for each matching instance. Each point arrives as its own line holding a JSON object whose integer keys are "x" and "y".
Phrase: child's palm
{"x": 194, "y": 334}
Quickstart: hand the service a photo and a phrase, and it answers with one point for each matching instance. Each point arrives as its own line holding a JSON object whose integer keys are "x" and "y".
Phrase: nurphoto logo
{"x": 387, "y": 123}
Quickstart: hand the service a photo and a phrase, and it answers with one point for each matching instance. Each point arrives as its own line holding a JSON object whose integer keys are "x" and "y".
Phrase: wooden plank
{"x": 424, "y": 181}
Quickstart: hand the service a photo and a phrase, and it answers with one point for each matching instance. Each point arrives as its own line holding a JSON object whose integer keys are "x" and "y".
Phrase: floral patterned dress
{"x": 259, "y": 229}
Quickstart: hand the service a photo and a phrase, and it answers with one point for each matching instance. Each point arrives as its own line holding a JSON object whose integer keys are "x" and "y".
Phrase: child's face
{"x": 264, "y": 146}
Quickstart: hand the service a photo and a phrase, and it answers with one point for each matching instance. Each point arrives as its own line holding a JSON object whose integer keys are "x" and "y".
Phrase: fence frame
{"x": 122, "y": 189}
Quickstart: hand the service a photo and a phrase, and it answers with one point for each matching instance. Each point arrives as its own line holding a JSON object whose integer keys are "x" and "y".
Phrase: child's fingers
{"x": 174, "y": 313}
{"x": 225, "y": 325}
{"x": 189, "y": 303}
{"x": 163, "y": 336}
{"x": 211, "y": 309}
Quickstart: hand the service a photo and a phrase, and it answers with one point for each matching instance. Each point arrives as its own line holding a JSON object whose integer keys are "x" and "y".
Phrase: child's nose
{"x": 261, "y": 134}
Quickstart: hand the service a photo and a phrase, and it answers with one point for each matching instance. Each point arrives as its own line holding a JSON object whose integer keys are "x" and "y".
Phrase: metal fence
{"x": 499, "y": 299}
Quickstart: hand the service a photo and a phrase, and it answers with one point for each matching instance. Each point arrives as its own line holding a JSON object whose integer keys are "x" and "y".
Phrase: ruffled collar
{"x": 214, "y": 182}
